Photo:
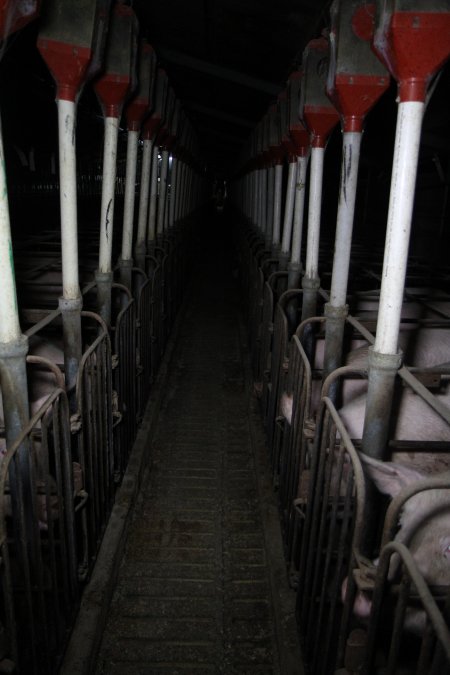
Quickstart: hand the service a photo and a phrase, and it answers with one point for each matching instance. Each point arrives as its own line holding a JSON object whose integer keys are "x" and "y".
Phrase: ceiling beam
{"x": 186, "y": 61}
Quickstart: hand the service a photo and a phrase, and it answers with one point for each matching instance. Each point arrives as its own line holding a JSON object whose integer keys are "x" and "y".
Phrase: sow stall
{"x": 71, "y": 409}
{"x": 330, "y": 513}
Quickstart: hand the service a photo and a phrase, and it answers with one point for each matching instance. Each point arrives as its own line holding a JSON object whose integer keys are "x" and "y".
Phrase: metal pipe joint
{"x": 382, "y": 372}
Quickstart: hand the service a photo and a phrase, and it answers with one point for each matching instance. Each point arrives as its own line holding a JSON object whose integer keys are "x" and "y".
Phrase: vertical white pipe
{"x": 259, "y": 217}
{"x": 345, "y": 217}
{"x": 9, "y": 317}
{"x": 68, "y": 198}
{"x": 108, "y": 193}
{"x": 276, "y": 233}
{"x": 254, "y": 197}
{"x": 299, "y": 208}
{"x": 270, "y": 194}
{"x": 130, "y": 190}
{"x": 173, "y": 190}
{"x": 401, "y": 201}
{"x": 262, "y": 197}
{"x": 144, "y": 192}
{"x": 162, "y": 195}
{"x": 314, "y": 212}
{"x": 153, "y": 204}
{"x": 179, "y": 195}
{"x": 289, "y": 208}
{"x": 182, "y": 200}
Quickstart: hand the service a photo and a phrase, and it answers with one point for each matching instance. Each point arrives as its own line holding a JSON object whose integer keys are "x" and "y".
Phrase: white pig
{"x": 424, "y": 528}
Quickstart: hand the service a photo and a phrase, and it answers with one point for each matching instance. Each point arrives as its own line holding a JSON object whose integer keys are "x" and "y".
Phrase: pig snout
{"x": 362, "y": 603}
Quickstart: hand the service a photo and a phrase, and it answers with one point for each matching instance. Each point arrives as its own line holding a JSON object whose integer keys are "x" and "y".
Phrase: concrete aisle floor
{"x": 202, "y": 588}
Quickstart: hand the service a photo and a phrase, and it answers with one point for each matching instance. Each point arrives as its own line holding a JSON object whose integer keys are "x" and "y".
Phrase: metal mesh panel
{"x": 332, "y": 519}
{"x": 95, "y": 445}
{"x": 408, "y": 627}
{"x": 37, "y": 540}
{"x": 125, "y": 385}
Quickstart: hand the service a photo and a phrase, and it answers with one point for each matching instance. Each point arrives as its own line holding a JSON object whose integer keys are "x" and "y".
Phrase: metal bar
{"x": 310, "y": 281}
{"x": 153, "y": 204}
{"x": 162, "y": 193}
{"x": 294, "y": 266}
{"x": 140, "y": 248}
{"x": 126, "y": 261}
{"x": 276, "y": 233}
{"x": 289, "y": 208}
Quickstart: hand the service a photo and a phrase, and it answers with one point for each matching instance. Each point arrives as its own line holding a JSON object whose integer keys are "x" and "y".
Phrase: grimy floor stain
{"x": 198, "y": 590}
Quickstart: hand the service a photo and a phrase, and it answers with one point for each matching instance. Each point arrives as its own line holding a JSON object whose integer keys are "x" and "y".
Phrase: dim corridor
{"x": 202, "y": 586}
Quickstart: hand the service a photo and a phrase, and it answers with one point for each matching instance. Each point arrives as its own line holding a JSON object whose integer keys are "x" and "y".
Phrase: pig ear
{"x": 390, "y": 477}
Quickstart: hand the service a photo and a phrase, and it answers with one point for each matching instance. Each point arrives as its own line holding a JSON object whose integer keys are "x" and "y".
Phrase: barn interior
{"x": 217, "y": 278}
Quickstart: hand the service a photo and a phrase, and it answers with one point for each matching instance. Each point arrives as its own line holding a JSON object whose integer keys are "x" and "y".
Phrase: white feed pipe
{"x": 401, "y": 201}
{"x": 289, "y": 208}
{"x": 173, "y": 190}
{"x": 9, "y": 317}
{"x": 68, "y": 198}
{"x": 153, "y": 203}
{"x": 162, "y": 192}
{"x": 108, "y": 193}
{"x": 314, "y": 212}
{"x": 276, "y": 233}
{"x": 345, "y": 217}
{"x": 130, "y": 191}
{"x": 144, "y": 192}
{"x": 299, "y": 208}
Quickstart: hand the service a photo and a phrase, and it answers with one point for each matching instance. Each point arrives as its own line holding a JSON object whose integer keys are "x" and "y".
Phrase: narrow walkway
{"x": 202, "y": 588}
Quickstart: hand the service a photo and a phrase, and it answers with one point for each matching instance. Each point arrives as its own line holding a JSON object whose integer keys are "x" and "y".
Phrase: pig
{"x": 423, "y": 528}
{"x": 413, "y": 419}
{"x": 42, "y": 381}
{"x": 435, "y": 304}
{"x": 422, "y": 348}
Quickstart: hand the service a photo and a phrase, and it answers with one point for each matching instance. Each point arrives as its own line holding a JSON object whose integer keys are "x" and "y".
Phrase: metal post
{"x": 385, "y": 359}
{"x": 173, "y": 190}
{"x": 262, "y": 187}
{"x": 71, "y": 302}
{"x": 311, "y": 281}
{"x": 336, "y": 309}
{"x": 126, "y": 260}
{"x": 13, "y": 348}
{"x": 255, "y": 197}
{"x": 104, "y": 275}
{"x": 295, "y": 266}
{"x": 180, "y": 184}
{"x": 140, "y": 248}
{"x": 270, "y": 205}
{"x": 153, "y": 203}
{"x": 288, "y": 212}
{"x": 162, "y": 194}
{"x": 276, "y": 234}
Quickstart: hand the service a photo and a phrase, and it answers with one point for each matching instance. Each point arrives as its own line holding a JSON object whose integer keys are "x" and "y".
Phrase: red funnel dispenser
{"x": 412, "y": 37}
{"x": 320, "y": 117}
{"x": 112, "y": 89}
{"x": 356, "y": 80}
{"x": 15, "y": 15}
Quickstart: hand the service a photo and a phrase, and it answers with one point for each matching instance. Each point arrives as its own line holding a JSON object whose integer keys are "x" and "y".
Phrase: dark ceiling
{"x": 228, "y": 59}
